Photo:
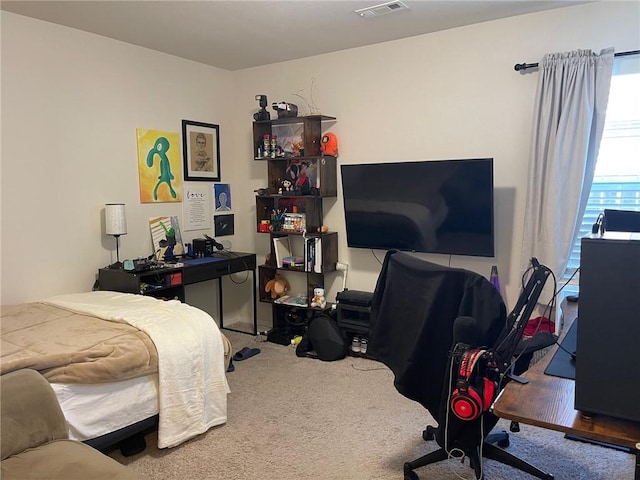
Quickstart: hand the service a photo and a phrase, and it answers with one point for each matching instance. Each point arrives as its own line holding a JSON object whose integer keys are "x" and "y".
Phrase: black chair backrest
{"x": 414, "y": 307}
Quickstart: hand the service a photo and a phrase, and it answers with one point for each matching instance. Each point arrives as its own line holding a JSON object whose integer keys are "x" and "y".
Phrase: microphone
{"x": 465, "y": 330}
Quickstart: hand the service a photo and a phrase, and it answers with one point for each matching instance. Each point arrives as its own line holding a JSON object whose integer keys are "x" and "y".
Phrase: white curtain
{"x": 570, "y": 106}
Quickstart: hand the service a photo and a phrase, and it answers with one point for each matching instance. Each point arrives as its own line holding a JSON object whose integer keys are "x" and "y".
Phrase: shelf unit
{"x": 297, "y": 158}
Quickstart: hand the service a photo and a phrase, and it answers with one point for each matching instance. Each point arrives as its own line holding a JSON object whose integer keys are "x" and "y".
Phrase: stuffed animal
{"x": 329, "y": 144}
{"x": 278, "y": 286}
{"x": 287, "y": 186}
{"x": 318, "y": 298}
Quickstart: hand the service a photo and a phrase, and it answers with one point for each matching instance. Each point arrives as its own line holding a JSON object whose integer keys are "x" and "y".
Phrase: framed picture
{"x": 223, "y": 225}
{"x": 201, "y": 151}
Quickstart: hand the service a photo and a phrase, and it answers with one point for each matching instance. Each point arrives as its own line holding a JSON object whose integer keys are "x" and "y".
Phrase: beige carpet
{"x": 298, "y": 418}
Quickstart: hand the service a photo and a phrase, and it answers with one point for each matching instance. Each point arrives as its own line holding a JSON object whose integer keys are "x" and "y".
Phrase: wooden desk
{"x": 170, "y": 281}
{"x": 547, "y": 402}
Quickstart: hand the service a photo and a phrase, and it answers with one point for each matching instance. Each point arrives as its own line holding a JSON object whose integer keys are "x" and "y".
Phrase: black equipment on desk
{"x": 204, "y": 247}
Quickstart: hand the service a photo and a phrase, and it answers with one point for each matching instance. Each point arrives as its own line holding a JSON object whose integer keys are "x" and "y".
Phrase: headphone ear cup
{"x": 488, "y": 392}
{"x": 466, "y": 404}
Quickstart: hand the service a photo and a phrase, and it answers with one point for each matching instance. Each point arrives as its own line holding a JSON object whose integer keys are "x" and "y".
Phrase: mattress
{"x": 121, "y": 403}
{"x": 187, "y": 387}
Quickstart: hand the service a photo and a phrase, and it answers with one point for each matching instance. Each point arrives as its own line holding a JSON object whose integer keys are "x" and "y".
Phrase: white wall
{"x": 452, "y": 94}
{"x": 71, "y": 102}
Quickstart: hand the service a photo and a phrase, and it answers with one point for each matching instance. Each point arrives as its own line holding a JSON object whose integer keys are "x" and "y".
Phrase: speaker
{"x": 471, "y": 398}
{"x": 608, "y": 328}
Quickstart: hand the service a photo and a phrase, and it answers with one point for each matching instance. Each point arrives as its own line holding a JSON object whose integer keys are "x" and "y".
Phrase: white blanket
{"x": 192, "y": 378}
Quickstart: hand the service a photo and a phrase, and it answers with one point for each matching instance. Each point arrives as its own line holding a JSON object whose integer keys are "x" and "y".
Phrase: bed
{"x": 119, "y": 362}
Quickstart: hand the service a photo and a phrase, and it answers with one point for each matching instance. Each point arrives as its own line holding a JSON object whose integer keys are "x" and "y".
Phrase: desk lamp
{"x": 116, "y": 225}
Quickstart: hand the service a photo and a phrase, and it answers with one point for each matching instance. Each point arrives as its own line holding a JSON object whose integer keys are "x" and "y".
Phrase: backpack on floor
{"x": 325, "y": 338}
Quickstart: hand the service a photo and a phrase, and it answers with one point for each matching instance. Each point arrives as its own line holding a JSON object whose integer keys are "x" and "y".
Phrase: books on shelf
{"x": 309, "y": 261}
{"x": 313, "y": 254}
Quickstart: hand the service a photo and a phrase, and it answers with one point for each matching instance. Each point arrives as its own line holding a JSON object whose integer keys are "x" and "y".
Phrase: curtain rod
{"x": 524, "y": 66}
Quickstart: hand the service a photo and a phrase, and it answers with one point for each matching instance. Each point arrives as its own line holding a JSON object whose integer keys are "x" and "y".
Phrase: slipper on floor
{"x": 245, "y": 353}
{"x": 230, "y": 368}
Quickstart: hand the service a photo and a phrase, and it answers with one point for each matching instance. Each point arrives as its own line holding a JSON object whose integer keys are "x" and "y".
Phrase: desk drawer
{"x": 218, "y": 268}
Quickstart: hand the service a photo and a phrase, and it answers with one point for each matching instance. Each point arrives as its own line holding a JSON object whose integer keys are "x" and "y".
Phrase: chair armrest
{"x": 29, "y": 412}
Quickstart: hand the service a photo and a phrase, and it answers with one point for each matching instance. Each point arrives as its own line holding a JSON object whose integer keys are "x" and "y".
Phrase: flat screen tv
{"x": 443, "y": 206}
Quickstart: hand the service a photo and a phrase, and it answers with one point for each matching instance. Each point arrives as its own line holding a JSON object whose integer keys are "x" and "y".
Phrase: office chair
{"x": 445, "y": 334}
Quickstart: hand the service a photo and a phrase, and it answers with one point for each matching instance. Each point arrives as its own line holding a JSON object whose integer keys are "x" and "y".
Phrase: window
{"x": 616, "y": 182}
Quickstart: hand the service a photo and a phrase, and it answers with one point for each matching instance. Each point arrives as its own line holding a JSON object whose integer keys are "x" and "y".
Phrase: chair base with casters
{"x": 488, "y": 450}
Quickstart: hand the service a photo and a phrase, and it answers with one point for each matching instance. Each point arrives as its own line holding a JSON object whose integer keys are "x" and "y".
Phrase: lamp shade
{"x": 114, "y": 219}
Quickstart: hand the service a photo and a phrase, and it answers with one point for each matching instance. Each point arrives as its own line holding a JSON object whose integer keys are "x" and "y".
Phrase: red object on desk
{"x": 175, "y": 279}
{"x": 539, "y": 324}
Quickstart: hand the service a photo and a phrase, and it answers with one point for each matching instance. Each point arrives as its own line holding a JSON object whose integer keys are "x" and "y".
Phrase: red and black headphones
{"x": 469, "y": 401}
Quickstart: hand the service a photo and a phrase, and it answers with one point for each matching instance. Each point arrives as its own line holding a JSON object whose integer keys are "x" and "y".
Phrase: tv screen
{"x": 443, "y": 206}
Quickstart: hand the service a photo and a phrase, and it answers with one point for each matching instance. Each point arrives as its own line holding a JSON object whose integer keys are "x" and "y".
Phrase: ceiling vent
{"x": 382, "y": 9}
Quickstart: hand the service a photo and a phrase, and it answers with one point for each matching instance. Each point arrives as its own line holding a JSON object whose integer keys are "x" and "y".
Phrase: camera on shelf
{"x": 262, "y": 114}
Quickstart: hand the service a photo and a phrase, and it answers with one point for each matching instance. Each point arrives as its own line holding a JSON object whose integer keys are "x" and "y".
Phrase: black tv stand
{"x": 354, "y": 312}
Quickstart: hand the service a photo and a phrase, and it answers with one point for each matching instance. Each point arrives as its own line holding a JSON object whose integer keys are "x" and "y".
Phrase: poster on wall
{"x": 223, "y": 225}
{"x": 196, "y": 208}
{"x": 222, "y": 193}
{"x": 159, "y": 169}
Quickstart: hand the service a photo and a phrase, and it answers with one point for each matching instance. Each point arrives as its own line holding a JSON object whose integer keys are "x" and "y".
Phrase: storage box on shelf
{"x": 271, "y": 208}
{"x": 290, "y": 210}
{"x": 320, "y": 172}
{"x": 297, "y": 136}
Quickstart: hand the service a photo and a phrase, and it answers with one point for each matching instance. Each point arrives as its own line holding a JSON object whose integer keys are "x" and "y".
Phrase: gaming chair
{"x": 445, "y": 334}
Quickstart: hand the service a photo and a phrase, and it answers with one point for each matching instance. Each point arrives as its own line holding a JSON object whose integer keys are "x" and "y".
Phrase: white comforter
{"x": 191, "y": 369}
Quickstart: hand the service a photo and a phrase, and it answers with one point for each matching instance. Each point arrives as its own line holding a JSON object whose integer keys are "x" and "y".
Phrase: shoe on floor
{"x": 245, "y": 353}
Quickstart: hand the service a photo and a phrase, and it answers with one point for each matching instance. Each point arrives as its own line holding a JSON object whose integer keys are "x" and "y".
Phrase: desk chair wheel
{"x": 429, "y": 433}
{"x": 504, "y": 443}
{"x": 500, "y": 439}
{"x": 410, "y": 474}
